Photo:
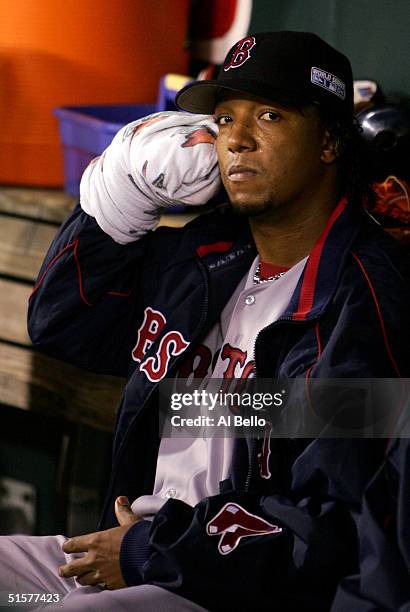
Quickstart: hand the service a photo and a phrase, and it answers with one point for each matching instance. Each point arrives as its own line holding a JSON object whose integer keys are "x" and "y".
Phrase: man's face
{"x": 270, "y": 156}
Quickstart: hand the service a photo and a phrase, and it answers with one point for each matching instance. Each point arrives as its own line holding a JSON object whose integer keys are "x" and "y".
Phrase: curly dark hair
{"x": 355, "y": 170}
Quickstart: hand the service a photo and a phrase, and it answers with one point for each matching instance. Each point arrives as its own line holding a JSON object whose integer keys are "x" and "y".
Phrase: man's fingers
{"x": 79, "y": 543}
{"x": 89, "y": 579}
{"x": 76, "y": 568}
{"x": 124, "y": 514}
{"x": 101, "y": 562}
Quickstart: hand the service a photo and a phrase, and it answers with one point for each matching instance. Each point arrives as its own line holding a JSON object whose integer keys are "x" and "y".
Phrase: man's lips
{"x": 241, "y": 173}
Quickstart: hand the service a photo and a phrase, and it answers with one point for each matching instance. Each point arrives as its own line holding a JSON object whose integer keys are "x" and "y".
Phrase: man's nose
{"x": 241, "y": 137}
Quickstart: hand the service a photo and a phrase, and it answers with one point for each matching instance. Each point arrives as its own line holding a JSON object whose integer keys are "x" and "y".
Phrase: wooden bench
{"x": 29, "y": 218}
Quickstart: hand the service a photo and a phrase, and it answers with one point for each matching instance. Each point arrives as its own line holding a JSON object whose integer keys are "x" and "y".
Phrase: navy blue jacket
{"x": 348, "y": 317}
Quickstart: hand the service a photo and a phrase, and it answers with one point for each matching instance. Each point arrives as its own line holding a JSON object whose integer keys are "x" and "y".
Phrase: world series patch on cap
{"x": 293, "y": 68}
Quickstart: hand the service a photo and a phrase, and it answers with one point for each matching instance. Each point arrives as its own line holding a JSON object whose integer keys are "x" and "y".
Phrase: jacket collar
{"x": 325, "y": 264}
{"x": 217, "y": 238}
{"x": 225, "y": 243}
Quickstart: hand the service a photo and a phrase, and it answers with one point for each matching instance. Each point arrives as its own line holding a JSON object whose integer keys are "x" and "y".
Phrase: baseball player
{"x": 290, "y": 279}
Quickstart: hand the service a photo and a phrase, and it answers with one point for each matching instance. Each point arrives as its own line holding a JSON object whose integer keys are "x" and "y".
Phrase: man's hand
{"x": 101, "y": 564}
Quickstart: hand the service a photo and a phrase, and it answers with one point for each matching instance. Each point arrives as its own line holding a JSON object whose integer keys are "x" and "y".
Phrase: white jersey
{"x": 190, "y": 469}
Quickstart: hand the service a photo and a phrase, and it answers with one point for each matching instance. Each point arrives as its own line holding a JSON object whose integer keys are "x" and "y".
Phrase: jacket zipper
{"x": 253, "y": 443}
{"x": 286, "y": 319}
{"x": 253, "y": 462}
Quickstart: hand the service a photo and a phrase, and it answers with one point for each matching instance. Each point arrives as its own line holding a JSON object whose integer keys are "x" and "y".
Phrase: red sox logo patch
{"x": 241, "y": 53}
{"x": 172, "y": 344}
{"x": 233, "y": 523}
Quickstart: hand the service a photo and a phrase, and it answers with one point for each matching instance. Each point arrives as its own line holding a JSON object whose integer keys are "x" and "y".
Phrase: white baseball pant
{"x": 29, "y": 564}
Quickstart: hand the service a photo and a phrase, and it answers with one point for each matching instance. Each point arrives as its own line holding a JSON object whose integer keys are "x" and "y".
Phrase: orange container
{"x": 57, "y": 53}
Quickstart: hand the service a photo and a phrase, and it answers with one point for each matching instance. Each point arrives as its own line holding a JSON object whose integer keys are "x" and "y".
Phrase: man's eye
{"x": 270, "y": 116}
{"x": 223, "y": 119}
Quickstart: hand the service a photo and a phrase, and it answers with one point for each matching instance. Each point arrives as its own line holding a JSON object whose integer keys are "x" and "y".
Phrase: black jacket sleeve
{"x": 383, "y": 580}
{"x": 86, "y": 300}
{"x": 243, "y": 551}
{"x": 294, "y": 566}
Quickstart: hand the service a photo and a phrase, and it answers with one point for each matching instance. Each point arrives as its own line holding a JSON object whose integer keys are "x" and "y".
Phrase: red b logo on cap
{"x": 241, "y": 53}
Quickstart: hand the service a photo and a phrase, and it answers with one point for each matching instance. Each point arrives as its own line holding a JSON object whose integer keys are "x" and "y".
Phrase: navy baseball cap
{"x": 293, "y": 68}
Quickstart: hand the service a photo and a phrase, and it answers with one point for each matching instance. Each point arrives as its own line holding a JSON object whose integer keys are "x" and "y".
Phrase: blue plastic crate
{"x": 169, "y": 85}
{"x": 86, "y": 131}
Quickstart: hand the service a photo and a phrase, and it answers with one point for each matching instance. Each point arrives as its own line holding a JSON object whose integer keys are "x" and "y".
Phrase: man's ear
{"x": 330, "y": 148}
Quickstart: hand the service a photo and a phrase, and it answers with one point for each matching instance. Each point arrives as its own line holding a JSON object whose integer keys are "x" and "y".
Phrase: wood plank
{"x": 13, "y": 311}
{"x": 177, "y": 220}
{"x": 43, "y": 204}
{"x": 31, "y": 381}
{"x": 54, "y": 205}
{"x": 23, "y": 245}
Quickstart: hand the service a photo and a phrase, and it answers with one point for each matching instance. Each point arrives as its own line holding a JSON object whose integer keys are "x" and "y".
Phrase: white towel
{"x": 154, "y": 163}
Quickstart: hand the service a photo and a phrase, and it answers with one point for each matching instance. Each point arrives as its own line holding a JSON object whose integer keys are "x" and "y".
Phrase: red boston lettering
{"x": 263, "y": 456}
{"x": 171, "y": 345}
{"x": 235, "y": 357}
{"x": 197, "y": 363}
{"x": 151, "y": 327}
